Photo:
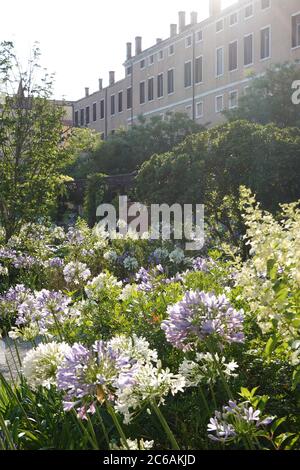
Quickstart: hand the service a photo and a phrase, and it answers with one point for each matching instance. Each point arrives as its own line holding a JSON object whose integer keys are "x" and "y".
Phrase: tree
{"x": 210, "y": 167}
{"x": 32, "y": 141}
{"x": 269, "y": 98}
{"x": 125, "y": 151}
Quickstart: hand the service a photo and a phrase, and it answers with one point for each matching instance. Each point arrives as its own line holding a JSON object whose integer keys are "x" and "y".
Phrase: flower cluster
{"x": 40, "y": 364}
{"x": 235, "y": 421}
{"x": 124, "y": 371}
{"x": 206, "y": 368}
{"x": 39, "y": 313}
{"x": 200, "y": 315}
{"x": 102, "y": 284}
{"x": 76, "y": 273}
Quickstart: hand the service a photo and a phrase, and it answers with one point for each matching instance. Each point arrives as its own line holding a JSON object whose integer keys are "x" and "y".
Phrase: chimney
{"x": 111, "y": 78}
{"x": 181, "y": 16}
{"x": 194, "y": 17}
{"x": 138, "y": 45}
{"x": 87, "y": 92}
{"x": 158, "y": 40}
{"x": 214, "y": 7}
{"x": 100, "y": 84}
{"x": 128, "y": 50}
{"x": 173, "y": 30}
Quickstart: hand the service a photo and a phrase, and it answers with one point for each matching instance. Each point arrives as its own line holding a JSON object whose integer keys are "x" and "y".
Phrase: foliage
{"x": 125, "y": 151}
{"x": 209, "y": 168}
{"x": 268, "y": 98}
{"x": 200, "y": 353}
{"x": 31, "y": 142}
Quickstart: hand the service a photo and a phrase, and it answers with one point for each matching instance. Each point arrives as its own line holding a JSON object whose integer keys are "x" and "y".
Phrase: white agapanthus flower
{"x": 134, "y": 445}
{"x": 177, "y": 256}
{"x": 128, "y": 291}
{"x": 104, "y": 281}
{"x": 151, "y": 382}
{"x": 205, "y": 370}
{"x": 135, "y": 347}
{"x": 3, "y": 271}
{"x": 40, "y": 364}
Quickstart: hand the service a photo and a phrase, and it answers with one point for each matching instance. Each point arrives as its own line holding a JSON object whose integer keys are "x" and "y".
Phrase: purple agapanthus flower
{"x": 84, "y": 370}
{"x": 199, "y": 315}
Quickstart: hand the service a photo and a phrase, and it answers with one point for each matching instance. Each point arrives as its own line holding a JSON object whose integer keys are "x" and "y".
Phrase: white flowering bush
{"x": 134, "y": 345}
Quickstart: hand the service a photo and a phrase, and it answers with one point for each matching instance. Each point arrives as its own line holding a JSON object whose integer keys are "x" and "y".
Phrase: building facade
{"x": 200, "y": 69}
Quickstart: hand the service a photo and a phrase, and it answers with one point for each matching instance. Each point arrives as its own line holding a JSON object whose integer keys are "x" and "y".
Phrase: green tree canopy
{"x": 210, "y": 167}
{"x": 269, "y": 98}
{"x": 125, "y": 151}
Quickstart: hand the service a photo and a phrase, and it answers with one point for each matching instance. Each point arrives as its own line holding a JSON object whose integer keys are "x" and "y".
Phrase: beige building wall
{"x": 273, "y": 27}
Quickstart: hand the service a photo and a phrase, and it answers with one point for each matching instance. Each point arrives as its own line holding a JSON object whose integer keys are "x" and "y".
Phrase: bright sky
{"x": 81, "y": 40}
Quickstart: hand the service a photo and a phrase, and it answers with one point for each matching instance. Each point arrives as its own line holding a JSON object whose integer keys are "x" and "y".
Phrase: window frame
{"x": 223, "y": 62}
{"x": 216, "y": 101}
{"x": 188, "y": 86}
{"x": 235, "y": 41}
{"x": 262, "y": 59}
{"x": 250, "y": 64}
{"x": 172, "y": 69}
{"x": 229, "y": 99}
{"x": 196, "y": 58}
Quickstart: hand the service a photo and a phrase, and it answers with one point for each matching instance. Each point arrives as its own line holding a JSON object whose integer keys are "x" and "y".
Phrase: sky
{"x": 81, "y": 40}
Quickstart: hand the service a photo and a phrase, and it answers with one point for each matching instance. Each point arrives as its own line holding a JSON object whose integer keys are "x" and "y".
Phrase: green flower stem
{"x": 103, "y": 427}
{"x": 165, "y": 425}
{"x": 117, "y": 424}
{"x": 92, "y": 440}
{"x": 6, "y": 433}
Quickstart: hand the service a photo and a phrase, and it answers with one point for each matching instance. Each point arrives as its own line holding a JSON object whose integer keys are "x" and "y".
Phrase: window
{"x": 296, "y": 30}
{"x": 142, "y": 64}
{"x": 219, "y": 103}
{"x": 76, "y": 119}
{"x": 129, "y": 98}
{"x": 151, "y": 59}
{"x": 171, "y": 49}
{"x": 82, "y": 117}
{"x": 129, "y": 70}
{"x": 150, "y": 89}
{"x": 113, "y": 132}
{"x": 161, "y": 55}
{"x": 233, "y": 99}
{"x": 95, "y": 112}
{"x": 120, "y": 101}
{"x": 233, "y": 56}
{"x": 199, "y": 69}
{"x": 160, "y": 85}
{"x": 220, "y": 61}
{"x": 87, "y": 115}
{"x": 102, "y": 136}
{"x": 249, "y": 10}
{"x": 170, "y": 81}
{"x": 188, "y": 41}
{"x": 219, "y": 25}
{"x": 265, "y": 43}
{"x": 188, "y": 74}
{"x": 233, "y": 19}
{"x": 199, "y": 109}
{"x": 112, "y": 105}
{"x": 265, "y": 4}
{"x": 188, "y": 110}
{"x": 102, "y": 109}
{"x": 248, "y": 50}
{"x": 142, "y": 93}
{"x": 199, "y": 36}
